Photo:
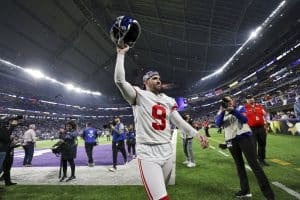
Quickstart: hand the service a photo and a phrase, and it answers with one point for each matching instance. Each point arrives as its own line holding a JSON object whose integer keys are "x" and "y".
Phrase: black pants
{"x": 89, "y": 151}
{"x": 118, "y": 146}
{"x": 65, "y": 165}
{"x": 29, "y": 151}
{"x": 7, "y": 164}
{"x": 246, "y": 146}
{"x": 131, "y": 145}
{"x": 260, "y": 136}
{"x": 206, "y": 132}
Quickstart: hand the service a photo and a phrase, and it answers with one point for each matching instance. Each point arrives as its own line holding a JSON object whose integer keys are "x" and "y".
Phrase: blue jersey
{"x": 90, "y": 135}
{"x": 120, "y": 135}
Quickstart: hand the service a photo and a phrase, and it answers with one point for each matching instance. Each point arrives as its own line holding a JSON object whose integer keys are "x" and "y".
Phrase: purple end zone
{"x": 102, "y": 155}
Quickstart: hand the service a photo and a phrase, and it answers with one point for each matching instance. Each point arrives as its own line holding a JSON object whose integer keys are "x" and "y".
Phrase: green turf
{"x": 214, "y": 177}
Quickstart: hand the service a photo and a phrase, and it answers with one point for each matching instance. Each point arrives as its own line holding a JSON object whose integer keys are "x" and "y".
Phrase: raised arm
{"x": 177, "y": 120}
{"x": 127, "y": 90}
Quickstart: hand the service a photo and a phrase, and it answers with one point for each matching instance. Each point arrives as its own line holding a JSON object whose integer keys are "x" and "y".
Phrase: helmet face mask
{"x": 125, "y": 31}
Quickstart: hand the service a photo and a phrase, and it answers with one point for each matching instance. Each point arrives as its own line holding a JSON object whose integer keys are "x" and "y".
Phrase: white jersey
{"x": 151, "y": 116}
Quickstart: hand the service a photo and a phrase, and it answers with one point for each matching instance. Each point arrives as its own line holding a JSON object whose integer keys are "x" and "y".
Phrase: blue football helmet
{"x": 125, "y": 31}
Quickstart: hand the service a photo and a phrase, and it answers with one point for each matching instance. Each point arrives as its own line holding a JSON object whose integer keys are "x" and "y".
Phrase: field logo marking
{"x": 280, "y": 162}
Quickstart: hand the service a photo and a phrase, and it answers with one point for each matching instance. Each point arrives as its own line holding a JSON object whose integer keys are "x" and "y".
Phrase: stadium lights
{"x": 249, "y": 76}
{"x": 255, "y": 33}
{"x": 40, "y": 75}
{"x": 233, "y": 84}
{"x": 252, "y": 36}
{"x": 69, "y": 86}
{"x": 34, "y": 73}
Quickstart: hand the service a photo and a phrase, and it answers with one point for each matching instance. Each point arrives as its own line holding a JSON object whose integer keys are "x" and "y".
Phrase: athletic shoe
{"x": 191, "y": 164}
{"x": 185, "y": 162}
{"x": 112, "y": 169}
{"x": 62, "y": 178}
{"x": 70, "y": 178}
{"x": 10, "y": 184}
{"x": 241, "y": 195}
{"x": 91, "y": 164}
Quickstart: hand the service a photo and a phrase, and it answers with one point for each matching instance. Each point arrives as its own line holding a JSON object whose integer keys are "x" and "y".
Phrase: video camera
{"x": 58, "y": 147}
{"x": 224, "y": 102}
{"x": 108, "y": 125}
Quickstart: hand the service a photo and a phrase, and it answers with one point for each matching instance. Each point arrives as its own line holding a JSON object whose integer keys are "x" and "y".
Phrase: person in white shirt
{"x": 153, "y": 114}
{"x": 29, "y": 139}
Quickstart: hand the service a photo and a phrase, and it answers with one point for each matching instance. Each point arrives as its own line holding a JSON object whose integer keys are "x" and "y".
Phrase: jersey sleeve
{"x": 174, "y": 105}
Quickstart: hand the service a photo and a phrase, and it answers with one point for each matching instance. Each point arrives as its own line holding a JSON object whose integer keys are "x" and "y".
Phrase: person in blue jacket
{"x": 239, "y": 141}
{"x": 90, "y": 140}
{"x": 118, "y": 141}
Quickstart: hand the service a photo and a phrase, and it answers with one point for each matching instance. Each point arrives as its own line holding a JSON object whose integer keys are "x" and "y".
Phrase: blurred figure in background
{"x": 118, "y": 133}
{"x": 7, "y": 145}
{"x": 256, "y": 120}
{"x": 29, "y": 139}
{"x": 69, "y": 137}
{"x": 89, "y": 136}
{"x": 297, "y": 107}
{"x": 187, "y": 144}
{"x": 130, "y": 140}
{"x": 206, "y": 126}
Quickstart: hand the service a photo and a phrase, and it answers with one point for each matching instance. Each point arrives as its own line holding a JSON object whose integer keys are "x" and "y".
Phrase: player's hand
{"x": 204, "y": 141}
{"x": 122, "y": 51}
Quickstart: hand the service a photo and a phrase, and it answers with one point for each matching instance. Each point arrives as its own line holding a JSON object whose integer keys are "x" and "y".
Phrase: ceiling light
{"x": 34, "y": 73}
{"x": 69, "y": 86}
{"x": 255, "y": 32}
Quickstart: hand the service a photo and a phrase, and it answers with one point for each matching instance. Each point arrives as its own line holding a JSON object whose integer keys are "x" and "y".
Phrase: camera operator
{"x": 118, "y": 133}
{"x": 7, "y": 145}
{"x": 239, "y": 140}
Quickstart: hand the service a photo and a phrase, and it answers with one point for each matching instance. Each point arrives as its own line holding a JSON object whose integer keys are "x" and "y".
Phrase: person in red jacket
{"x": 206, "y": 127}
{"x": 256, "y": 121}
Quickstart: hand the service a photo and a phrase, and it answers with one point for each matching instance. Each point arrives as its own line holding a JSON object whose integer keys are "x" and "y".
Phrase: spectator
{"x": 130, "y": 140}
{"x": 297, "y": 107}
{"x": 187, "y": 144}
{"x": 29, "y": 139}
{"x": 69, "y": 137}
{"x": 107, "y": 132}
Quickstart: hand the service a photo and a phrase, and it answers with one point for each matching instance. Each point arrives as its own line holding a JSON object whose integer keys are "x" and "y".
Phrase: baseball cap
{"x": 149, "y": 74}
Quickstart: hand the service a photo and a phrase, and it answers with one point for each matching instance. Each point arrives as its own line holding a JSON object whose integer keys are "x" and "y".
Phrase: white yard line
{"x": 223, "y": 153}
{"x": 248, "y": 167}
{"x": 286, "y": 189}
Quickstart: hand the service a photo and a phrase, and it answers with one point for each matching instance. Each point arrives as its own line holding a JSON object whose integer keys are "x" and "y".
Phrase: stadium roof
{"x": 184, "y": 40}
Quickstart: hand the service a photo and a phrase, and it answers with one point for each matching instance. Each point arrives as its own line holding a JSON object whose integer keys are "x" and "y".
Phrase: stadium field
{"x": 213, "y": 178}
